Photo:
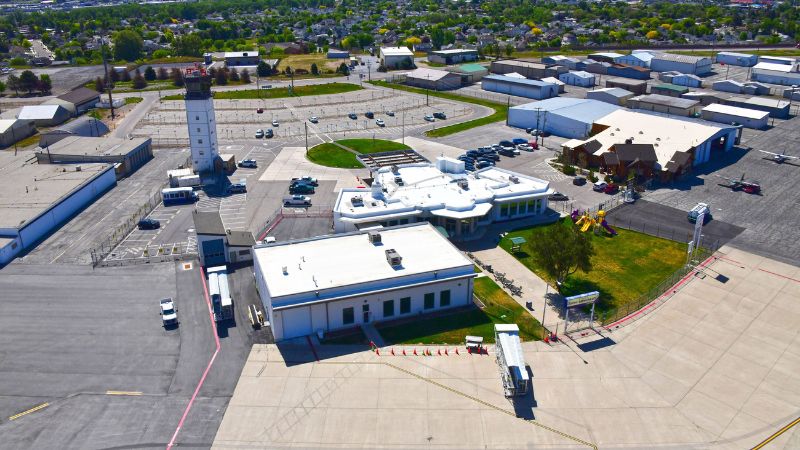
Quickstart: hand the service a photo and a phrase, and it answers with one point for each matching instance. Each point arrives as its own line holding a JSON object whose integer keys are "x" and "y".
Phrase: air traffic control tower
{"x": 200, "y": 119}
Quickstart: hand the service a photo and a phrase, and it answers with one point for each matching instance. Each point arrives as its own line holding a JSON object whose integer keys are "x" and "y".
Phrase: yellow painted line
{"x": 777, "y": 433}
{"x": 25, "y": 413}
{"x": 123, "y": 393}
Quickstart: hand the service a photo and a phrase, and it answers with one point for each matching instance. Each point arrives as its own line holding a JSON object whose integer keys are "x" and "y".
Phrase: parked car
{"x": 599, "y": 186}
{"x": 390, "y": 113}
{"x": 353, "y": 116}
{"x": 313, "y": 119}
{"x": 275, "y": 123}
{"x": 259, "y": 110}
{"x": 483, "y": 164}
{"x": 534, "y": 145}
{"x": 579, "y": 180}
{"x": 237, "y": 188}
{"x": 533, "y": 131}
{"x": 369, "y": 115}
{"x": 525, "y": 147}
{"x": 380, "y": 122}
{"x": 297, "y": 200}
{"x": 611, "y": 189}
{"x": 259, "y": 133}
{"x": 307, "y": 180}
{"x": 700, "y": 208}
{"x": 269, "y": 133}
{"x": 249, "y": 163}
{"x": 440, "y": 115}
{"x": 518, "y": 141}
{"x": 492, "y": 156}
{"x": 506, "y": 144}
{"x": 506, "y": 151}
{"x": 148, "y": 224}
{"x": 473, "y": 153}
{"x": 557, "y": 197}
{"x": 169, "y": 315}
{"x": 301, "y": 188}
{"x": 429, "y": 118}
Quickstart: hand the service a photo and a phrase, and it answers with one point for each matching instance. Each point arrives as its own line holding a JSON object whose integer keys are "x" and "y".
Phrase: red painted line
{"x": 655, "y": 302}
{"x": 779, "y": 275}
{"x": 313, "y": 350}
{"x": 270, "y": 227}
{"x": 208, "y": 367}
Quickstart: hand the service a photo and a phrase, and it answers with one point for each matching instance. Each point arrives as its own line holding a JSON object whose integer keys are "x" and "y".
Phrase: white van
{"x": 700, "y": 208}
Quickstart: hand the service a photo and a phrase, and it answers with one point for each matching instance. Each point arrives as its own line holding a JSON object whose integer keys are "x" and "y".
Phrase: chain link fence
{"x": 324, "y": 211}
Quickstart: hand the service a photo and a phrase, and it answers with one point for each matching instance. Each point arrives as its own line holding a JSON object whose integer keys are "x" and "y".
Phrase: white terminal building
{"x": 443, "y": 194}
{"x": 341, "y": 281}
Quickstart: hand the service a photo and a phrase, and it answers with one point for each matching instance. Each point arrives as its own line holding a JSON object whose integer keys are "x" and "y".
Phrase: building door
{"x": 365, "y": 311}
{"x": 213, "y": 253}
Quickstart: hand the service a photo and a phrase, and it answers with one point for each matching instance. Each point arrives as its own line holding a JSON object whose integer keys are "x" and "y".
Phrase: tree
{"x": 128, "y": 45}
{"x": 99, "y": 86}
{"x": 126, "y": 76}
{"x": 149, "y": 73}
{"x": 221, "y": 78}
{"x": 233, "y": 75}
{"x": 509, "y": 50}
{"x": 343, "y": 69}
{"x": 14, "y": 84}
{"x": 176, "y": 76}
{"x": 114, "y": 75}
{"x": 263, "y": 69}
{"x": 189, "y": 45}
{"x": 45, "y": 84}
{"x": 162, "y": 73}
{"x": 28, "y": 81}
{"x": 139, "y": 82}
{"x": 2, "y": 87}
{"x": 652, "y": 34}
{"x": 245, "y": 76}
{"x": 314, "y": 69}
{"x": 561, "y": 250}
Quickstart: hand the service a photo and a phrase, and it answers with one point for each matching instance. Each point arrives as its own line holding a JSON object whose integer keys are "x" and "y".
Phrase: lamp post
{"x": 792, "y": 90}
{"x": 544, "y": 308}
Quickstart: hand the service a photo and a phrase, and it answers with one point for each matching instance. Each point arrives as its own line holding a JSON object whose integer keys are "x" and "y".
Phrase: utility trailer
{"x": 511, "y": 360}
{"x": 218, "y": 289}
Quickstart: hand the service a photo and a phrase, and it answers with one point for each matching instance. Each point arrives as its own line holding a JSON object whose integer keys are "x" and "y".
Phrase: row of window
{"x": 516, "y": 208}
{"x": 429, "y": 302}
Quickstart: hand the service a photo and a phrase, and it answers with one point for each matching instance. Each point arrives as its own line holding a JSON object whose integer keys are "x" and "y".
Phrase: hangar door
{"x": 214, "y": 252}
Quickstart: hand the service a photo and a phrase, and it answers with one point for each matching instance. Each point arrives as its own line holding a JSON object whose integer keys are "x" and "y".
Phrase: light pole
{"x": 793, "y": 89}
{"x": 544, "y": 308}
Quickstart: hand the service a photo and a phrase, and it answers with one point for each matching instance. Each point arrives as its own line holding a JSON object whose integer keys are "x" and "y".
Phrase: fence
{"x": 288, "y": 212}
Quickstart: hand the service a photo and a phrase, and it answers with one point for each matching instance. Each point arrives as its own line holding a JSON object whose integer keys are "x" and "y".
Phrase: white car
{"x": 259, "y": 133}
{"x": 599, "y": 186}
{"x": 169, "y": 315}
{"x": 525, "y": 147}
{"x": 390, "y": 113}
{"x": 429, "y": 118}
{"x": 380, "y": 122}
{"x": 275, "y": 123}
{"x": 313, "y": 119}
{"x": 297, "y": 200}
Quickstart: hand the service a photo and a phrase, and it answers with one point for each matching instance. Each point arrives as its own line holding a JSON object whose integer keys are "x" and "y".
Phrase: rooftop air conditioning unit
{"x": 357, "y": 201}
{"x": 374, "y": 237}
{"x": 514, "y": 179}
{"x": 463, "y": 183}
{"x": 395, "y": 169}
{"x": 393, "y": 258}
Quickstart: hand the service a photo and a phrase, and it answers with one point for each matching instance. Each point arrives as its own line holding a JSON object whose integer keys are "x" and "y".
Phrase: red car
{"x": 611, "y": 189}
{"x": 534, "y": 145}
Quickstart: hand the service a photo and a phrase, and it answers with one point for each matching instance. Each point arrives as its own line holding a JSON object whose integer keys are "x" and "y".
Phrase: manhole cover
{"x": 187, "y": 266}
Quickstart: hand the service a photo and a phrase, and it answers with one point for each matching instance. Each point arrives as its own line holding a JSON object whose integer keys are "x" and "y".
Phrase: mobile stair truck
{"x": 218, "y": 289}
{"x": 511, "y": 360}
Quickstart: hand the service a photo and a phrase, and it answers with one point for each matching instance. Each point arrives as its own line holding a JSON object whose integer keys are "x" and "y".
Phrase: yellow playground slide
{"x": 587, "y": 223}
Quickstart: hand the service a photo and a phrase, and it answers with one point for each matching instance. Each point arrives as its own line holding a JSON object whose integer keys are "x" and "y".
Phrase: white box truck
{"x": 218, "y": 289}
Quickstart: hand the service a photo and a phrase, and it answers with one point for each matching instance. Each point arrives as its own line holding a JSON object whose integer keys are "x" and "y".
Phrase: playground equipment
{"x": 585, "y": 221}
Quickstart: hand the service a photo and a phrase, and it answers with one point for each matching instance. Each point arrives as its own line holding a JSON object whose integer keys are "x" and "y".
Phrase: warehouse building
{"x": 597, "y": 67}
{"x": 557, "y": 82}
{"x": 748, "y": 118}
{"x": 527, "y": 69}
{"x": 665, "y": 104}
{"x": 238, "y": 59}
{"x": 334, "y": 53}
{"x": 470, "y": 73}
{"x": 737, "y": 59}
{"x": 396, "y": 58}
{"x": 438, "y": 80}
{"x": 608, "y": 57}
{"x": 639, "y": 59}
{"x": 82, "y": 126}
{"x": 638, "y": 87}
{"x": 217, "y": 246}
{"x": 82, "y": 99}
{"x": 453, "y": 56}
{"x": 563, "y": 116}
{"x": 45, "y": 115}
{"x": 577, "y": 78}
{"x": 778, "y": 109}
{"x": 36, "y": 199}
{"x": 15, "y": 130}
{"x": 635, "y": 72}
{"x": 697, "y": 65}
{"x": 126, "y": 155}
{"x": 334, "y": 282}
{"x": 783, "y": 74}
{"x": 569, "y": 62}
{"x": 670, "y": 90}
{"x": 707, "y": 97}
{"x": 651, "y": 144}
{"x": 614, "y": 96}
{"x": 444, "y": 194}
{"x": 681, "y": 79}
{"x": 785, "y": 60}
{"x": 520, "y": 87}
{"x": 748, "y": 87}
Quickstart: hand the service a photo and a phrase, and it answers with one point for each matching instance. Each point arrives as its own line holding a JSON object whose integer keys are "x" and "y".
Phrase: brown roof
{"x": 679, "y": 159}
{"x": 611, "y": 158}
{"x": 632, "y": 152}
{"x": 80, "y": 96}
{"x": 592, "y": 146}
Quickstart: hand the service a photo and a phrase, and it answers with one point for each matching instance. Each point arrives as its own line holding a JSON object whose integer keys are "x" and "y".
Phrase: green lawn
{"x": 30, "y": 140}
{"x": 500, "y": 110}
{"x": 372, "y": 145}
{"x": 624, "y": 267}
{"x": 299, "y": 91}
{"x": 330, "y": 155}
{"x": 452, "y": 328}
{"x": 133, "y": 100}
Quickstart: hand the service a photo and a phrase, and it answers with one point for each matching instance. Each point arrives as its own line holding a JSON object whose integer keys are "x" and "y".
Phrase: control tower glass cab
{"x": 198, "y": 83}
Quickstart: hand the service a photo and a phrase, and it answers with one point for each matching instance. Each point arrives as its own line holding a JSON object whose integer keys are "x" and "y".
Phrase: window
{"x": 444, "y": 298}
{"x": 513, "y": 209}
{"x": 429, "y": 297}
{"x": 405, "y": 305}
{"x": 198, "y": 130}
{"x": 531, "y": 206}
{"x": 196, "y": 117}
{"x": 348, "y": 316}
{"x": 199, "y": 141}
{"x": 388, "y": 308}
{"x": 504, "y": 210}
{"x": 244, "y": 252}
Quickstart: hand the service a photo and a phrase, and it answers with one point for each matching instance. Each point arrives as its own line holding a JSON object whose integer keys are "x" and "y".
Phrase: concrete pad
{"x": 746, "y": 431}
{"x": 719, "y": 386}
{"x": 709, "y": 414}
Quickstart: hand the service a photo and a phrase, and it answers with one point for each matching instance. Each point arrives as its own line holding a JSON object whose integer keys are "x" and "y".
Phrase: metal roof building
{"x": 622, "y": 70}
{"x": 577, "y": 78}
{"x": 665, "y": 104}
{"x": 640, "y": 59}
{"x": 14, "y": 130}
{"x": 470, "y": 73}
{"x": 749, "y": 118}
{"x": 528, "y": 69}
{"x": 453, "y": 56}
{"x": 562, "y": 116}
{"x": 346, "y": 280}
{"x": 126, "y": 155}
{"x": 697, "y": 65}
{"x": 82, "y": 126}
{"x": 784, "y": 74}
{"x": 520, "y": 87}
{"x": 669, "y": 89}
{"x": 779, "y": 109}
{"x": 737, "y": 59}
{"x": 608, "y": 57}
{"x": 396, "y": 57}
{"x": 614, "y": 96}
{"x": 439, "y": 80}
{"x": 638, "y": 87}
{"x": 82, "y": 98}
{"x": 45, "y": 115}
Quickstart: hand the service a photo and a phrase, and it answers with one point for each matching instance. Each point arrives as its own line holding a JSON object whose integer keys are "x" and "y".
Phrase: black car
{"x": 352, "y": 116}
{"x": 440, "y": 115}
{"x": 492, "y": 156}
{"x": 506, "y": 152}
{"x": 149, "y": 224}
{"x": 269, "y": 133}
{"x": 557, "y": 197}
{"x": 369, "y": 115}
{"x": 473, "y": 153}
{"x": 579, "y": 181}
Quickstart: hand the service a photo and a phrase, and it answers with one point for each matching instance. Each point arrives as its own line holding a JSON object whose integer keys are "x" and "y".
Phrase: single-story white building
{"x": 614, "y": 96}
{"x": 341, "y": 281}
{"x": 577, "y": 78}
{"x": 396, "y": 57}
{"x": 785, "y": 74}
{"x": 443, "y": 194}
{"x": 748, "y": 118}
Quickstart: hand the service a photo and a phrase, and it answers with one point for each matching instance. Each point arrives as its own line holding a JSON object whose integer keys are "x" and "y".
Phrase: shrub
{"x": 568, "y": 170}
{"x": 592, "y": 177}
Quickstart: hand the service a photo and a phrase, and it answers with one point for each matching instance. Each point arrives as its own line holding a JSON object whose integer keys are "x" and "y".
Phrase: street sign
{"x": 581, "y": 299}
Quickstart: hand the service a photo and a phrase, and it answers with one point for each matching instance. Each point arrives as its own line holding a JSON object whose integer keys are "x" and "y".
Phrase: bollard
{"x": 440, "y": 352}
{"x": 392, "y": 351}
{"x": 404, "y": 352}
{"x": 378, "y": 351}
{"x": 415, "y": 352}
{"x": 445, "y": 352}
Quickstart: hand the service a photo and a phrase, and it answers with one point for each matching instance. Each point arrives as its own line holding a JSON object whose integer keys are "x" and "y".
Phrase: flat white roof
{"x": 736, "y": 111}
{"x": 350, "y": 259}
{"x": 668, "y": 136}
{"x": 776, "y": 67}
{"x": 245, "y": 54}
{"x": 34, "y": 112}
{"x": 396, "y": 51}
{"x": 425, "y": 188}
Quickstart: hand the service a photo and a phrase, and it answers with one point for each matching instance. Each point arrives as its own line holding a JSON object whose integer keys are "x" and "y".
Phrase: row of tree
{"x": 140, "y": 79}
{"x": 28, "y": 82}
